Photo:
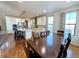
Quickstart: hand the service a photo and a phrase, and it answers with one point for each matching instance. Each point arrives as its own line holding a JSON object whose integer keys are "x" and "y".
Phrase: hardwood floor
{"x": 14, "y": 49}
{"x": 73, "y": 51}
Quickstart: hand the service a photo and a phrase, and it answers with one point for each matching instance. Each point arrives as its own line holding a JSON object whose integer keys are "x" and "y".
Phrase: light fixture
{"x": 67, "y": 0}
{"x": 20, "y": 1}
{"x": 44, "y": 10}
{"x": 23, "y": 12}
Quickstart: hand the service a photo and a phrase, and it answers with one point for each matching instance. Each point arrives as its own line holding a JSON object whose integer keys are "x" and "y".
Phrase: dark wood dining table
{"x": 48, "y": 46}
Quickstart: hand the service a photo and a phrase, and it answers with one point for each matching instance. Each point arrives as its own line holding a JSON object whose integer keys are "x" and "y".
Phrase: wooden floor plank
{"x": 14, "y": 49}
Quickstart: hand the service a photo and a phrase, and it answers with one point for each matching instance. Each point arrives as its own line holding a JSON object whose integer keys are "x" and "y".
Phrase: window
{"x": 70, "y": 22}
{"x": 50, "y": 23}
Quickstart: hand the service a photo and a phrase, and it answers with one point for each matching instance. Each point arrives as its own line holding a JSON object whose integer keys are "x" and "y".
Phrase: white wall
{"x": 41, "y": 22}
{"x": 56, "y": 21}
{"x": 75, "y": 39}
{"x": 2, "y": 21}
{"x": 14, "y": 20}
{"x": 62, "y": 21}
{"x": 59, "y": 22}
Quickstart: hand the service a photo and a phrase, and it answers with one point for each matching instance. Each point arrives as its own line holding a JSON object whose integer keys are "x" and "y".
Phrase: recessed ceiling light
{"x": 20, "y": 1}
{"x": 44, "y": 10}
{"x": 67, "y": 0}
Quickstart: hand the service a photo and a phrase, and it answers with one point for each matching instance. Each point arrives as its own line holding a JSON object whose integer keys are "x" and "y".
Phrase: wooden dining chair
{"x": 35, "y": 35}
{"x": 66, "y": 46}
{"x": 26, "y": 49}
{"x": 45, "y": 33}
{"x": 61, "y": 51}
{"x": 42, "y": 34}
{"x": 29, "y": 52}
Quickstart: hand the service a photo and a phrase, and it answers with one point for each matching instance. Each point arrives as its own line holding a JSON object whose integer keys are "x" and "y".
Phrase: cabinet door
{"x": 41, "y": 20}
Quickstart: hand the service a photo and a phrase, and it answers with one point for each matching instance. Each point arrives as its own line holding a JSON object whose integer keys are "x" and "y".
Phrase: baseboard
{"x": 74, "y": 44}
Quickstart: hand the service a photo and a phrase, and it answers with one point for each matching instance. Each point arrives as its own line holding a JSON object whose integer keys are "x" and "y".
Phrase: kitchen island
{"x": 27, "y": 33}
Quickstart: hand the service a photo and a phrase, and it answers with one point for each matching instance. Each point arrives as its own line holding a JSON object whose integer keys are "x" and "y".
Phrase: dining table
{"x": 48, "y": 46}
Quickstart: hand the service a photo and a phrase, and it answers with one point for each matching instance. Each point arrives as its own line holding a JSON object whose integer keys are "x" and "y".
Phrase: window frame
{"x": 69, "y": 21}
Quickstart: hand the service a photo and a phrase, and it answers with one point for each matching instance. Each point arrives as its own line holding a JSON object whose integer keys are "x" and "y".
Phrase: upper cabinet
{"x": 41, "y": 20}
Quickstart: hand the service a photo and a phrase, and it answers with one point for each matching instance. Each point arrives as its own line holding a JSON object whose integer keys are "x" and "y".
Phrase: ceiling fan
{"x": 23, "y": 12}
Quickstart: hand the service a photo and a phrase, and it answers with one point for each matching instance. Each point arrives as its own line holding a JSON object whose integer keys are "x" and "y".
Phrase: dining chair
{"x": 0, "y": 28}
{"x": 25, "y": 49}
{"x": 63, "y": 48}
{"x": 61, "y": 51}
{"x": 66, "y": 46}
{"x": 18, "y": 35}
{"x": 42, "y": 34}
{"x": 29, "y": 52}
{"x": 47, "y": 32}
{"x": 33, "y": 35}
{"x": 15, "y": 33}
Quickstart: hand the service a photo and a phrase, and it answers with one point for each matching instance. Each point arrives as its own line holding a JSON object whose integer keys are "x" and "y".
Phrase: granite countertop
{"x": 24, "y": 29}
{"x": 6, "y": 32}
{"x": 38, "y": 29}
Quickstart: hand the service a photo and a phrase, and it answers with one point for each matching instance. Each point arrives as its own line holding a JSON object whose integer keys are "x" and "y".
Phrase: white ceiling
{"x": 33, "y": 8}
